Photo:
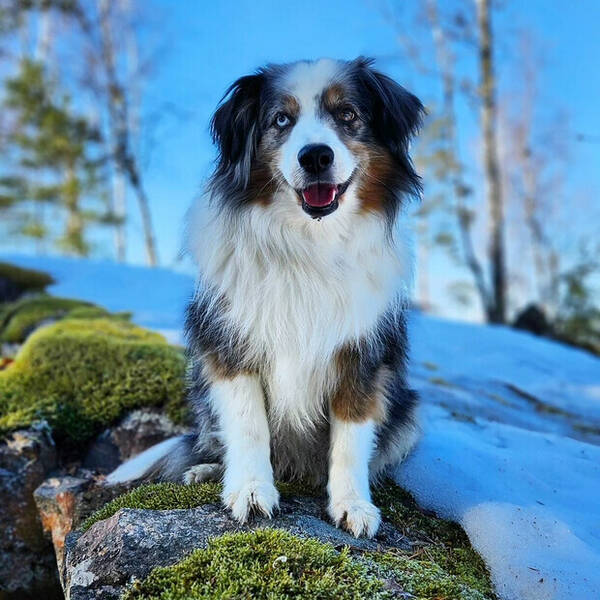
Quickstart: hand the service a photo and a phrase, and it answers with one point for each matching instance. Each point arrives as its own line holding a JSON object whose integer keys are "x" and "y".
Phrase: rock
{"x": 533, "y": 318}
{"x": 64, "y": 502}
{"x": 27, "y": 565}
{"x": 102, "y": 561}
{"x": 58, "y": 505}
{"x": 138, "y": 431}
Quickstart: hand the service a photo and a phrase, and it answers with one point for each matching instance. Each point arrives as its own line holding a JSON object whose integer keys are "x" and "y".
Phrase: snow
{"x": 510, "y": 452}
{"x": 511, "y": 443}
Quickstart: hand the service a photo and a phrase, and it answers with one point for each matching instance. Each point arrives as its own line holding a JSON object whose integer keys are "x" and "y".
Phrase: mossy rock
{"x": 267, "y": 563}
{"x": 20, "y": 318}
{"x": 158, "y": 496}
{"x": 275, "y": 564}
{"x": 15, "y": 281}
{"x": 83, "y": 374}
{"x": 438, "y": 542}
{"x": 171, "y": 496}
{"x": 441, "y": 564}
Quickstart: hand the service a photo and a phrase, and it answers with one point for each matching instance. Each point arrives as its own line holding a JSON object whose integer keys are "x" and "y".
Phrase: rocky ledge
{"x": 130, "y": 549}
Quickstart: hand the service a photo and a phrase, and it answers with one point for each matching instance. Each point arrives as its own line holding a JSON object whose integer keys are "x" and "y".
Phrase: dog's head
{"x": 314, "y": 138}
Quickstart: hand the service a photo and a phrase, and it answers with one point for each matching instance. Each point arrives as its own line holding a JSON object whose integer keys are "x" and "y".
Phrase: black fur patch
{"x": 211, "y": 339}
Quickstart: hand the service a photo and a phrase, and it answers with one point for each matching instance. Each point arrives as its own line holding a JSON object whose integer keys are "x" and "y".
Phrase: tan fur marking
{"x": 333, "y": 96}
{"x": 290, "y": 106}
{"x": 355, "y": 400}
{"x": 216, "y": 370}
{"x": 373, "y": 183}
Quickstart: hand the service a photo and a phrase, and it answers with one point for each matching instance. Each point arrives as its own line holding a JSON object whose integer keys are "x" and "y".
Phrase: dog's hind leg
{"x": 202, "y": 473}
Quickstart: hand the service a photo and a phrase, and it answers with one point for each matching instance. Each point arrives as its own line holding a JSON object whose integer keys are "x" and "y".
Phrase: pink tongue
{"x": 319, "y": 194}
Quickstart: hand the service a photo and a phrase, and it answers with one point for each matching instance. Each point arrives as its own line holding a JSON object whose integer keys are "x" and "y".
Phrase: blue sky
{"x": 206, "y": 45}
{"x": 209, "y": 44}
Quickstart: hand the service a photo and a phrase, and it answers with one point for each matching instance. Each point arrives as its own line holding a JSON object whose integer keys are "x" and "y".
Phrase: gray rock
{"x": 64, "y": 502}
{"x": 27, "y": 564}
{"x": 101, "y": 562}
{"x": 138, "y": 431}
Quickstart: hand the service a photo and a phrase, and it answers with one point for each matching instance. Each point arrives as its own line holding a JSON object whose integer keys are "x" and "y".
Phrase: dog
{"x": 296, "y": 333}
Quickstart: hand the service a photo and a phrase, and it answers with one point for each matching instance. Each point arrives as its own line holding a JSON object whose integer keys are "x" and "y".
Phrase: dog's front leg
{"x": 248, "y": 478}
{"x": 351, "y": 447}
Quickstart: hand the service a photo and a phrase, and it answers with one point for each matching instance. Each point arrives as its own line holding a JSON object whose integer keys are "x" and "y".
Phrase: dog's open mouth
{"x": 321, "y": 199}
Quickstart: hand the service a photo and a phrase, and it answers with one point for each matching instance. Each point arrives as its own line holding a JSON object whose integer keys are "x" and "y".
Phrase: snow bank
{"x": 511, "y": 444}
{"x": 505, "y": 463}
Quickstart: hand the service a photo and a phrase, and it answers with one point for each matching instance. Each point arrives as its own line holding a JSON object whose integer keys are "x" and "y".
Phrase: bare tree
{"x": 461, "y": 190}
{"x": 496, "y": 312}
{"x": 117, "y": 93}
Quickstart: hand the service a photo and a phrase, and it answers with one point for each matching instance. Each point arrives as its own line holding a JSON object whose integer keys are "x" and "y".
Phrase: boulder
{"x": 138, "y": 431}
{"x": 128, "y": 545}
{"x": 27, "y": 564}
{"x": 64, "y": 502}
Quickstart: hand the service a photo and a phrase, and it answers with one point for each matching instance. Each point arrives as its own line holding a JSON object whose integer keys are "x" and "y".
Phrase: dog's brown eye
{"x": 282, "y": 120}
{"x": 347, "y": 115}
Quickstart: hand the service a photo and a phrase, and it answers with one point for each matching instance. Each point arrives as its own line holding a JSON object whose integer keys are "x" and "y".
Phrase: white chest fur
{"x": 299, "y": 293}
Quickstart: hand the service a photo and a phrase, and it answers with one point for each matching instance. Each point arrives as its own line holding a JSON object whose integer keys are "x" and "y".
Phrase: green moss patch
{"x": 439, "y": 544}
{"x": 83, "y": 374}
{"x": 267, "y": 563}
{"x": 441, "y": 565}
{"x": 27, "y": 280}
{"x": 22, "y": 317}
{"x": 424, "y": 579}
{"x": 170, "y": 496}
{"x": 158, "y": 496}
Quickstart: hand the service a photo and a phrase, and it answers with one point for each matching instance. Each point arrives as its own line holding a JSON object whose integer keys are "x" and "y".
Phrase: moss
{"x": 22, "y": 317}
{"x": 438, "y": 541}
{"x": 29, "y": 280}
{"x": 424, "y": 579}
{"x": 299, "y": 488}
{"x": 158, "y": 496}
{"x": 267, "y": 563}
{"x": 83, "y": 374}
{"x": 442, "y": 565}
{"x": 169, "y": 496}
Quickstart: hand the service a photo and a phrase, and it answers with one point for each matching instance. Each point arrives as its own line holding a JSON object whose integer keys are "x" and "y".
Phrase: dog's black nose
{"x": 315, "y": 158}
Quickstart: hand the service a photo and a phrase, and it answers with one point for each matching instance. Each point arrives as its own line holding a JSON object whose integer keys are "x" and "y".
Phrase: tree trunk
{"x": 496, "y": 312}
{"x": 123, "y": 155}
{"x": 445, "y": 63}
{"x": 119, "y": 203}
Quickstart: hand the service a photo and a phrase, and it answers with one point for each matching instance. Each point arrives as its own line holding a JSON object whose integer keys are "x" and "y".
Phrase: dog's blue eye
{"x": 347, "y": 115}
{"x": 282, "y": 120}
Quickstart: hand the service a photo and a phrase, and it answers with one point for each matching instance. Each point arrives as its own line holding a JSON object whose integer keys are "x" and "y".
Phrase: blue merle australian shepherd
{"x": 296, "y": 333}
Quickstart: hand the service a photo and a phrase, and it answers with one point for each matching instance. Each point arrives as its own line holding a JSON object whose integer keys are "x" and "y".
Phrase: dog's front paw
{"x": 360, "y": 517}
{"x": 254, "y": 495}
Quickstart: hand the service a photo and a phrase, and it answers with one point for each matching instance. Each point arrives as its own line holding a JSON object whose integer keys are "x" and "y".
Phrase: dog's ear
{"x": 396, "y": 116}
{"x": 235, "y": 128}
